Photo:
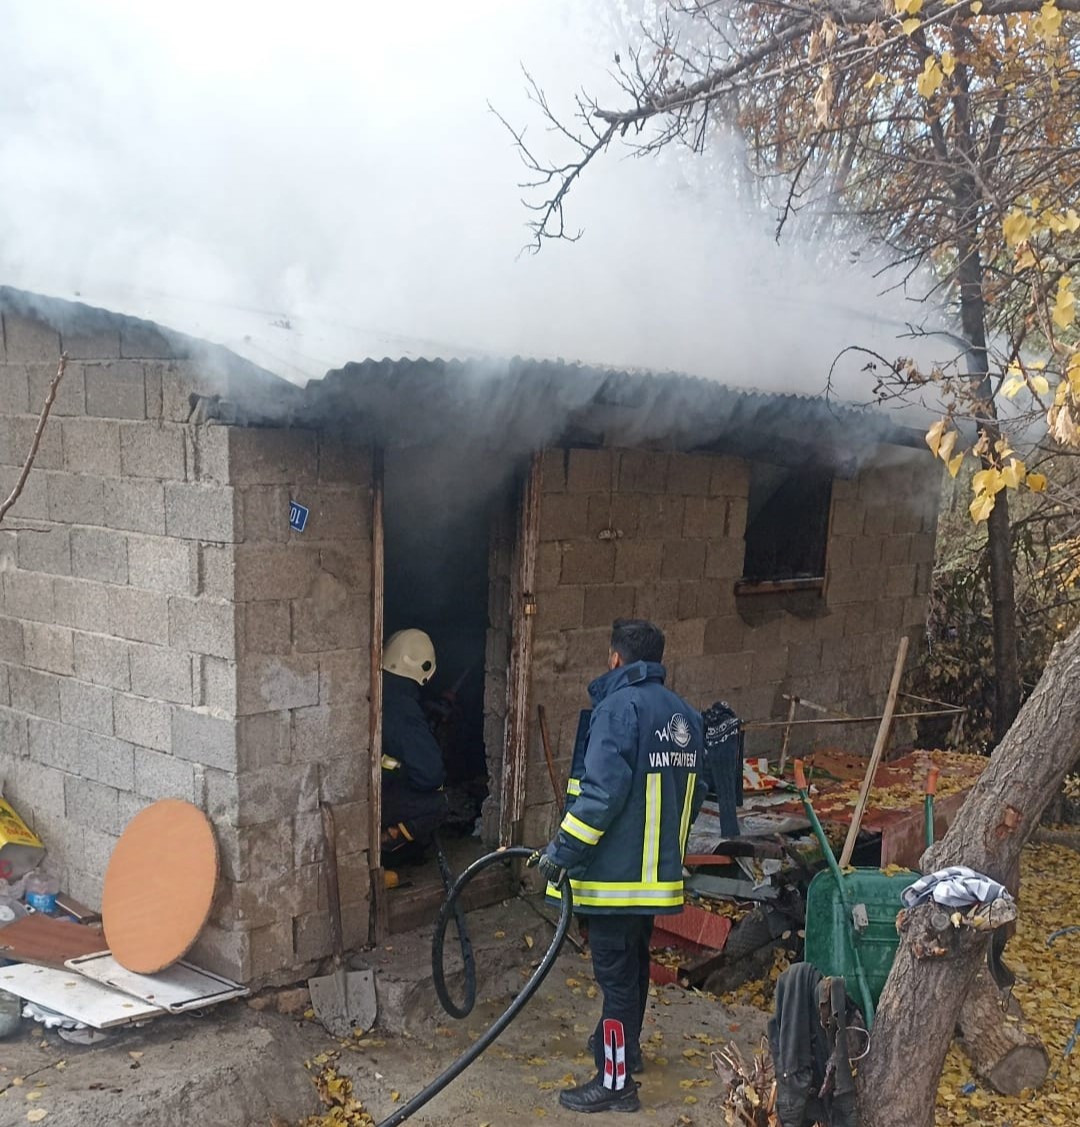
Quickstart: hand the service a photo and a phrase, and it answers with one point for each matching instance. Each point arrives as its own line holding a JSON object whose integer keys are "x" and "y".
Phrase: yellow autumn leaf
{"x": 981, "y": 507}
{"x": 1017, "y": 227}
{"x": 1047, "y": 25}
{"x": 1036, "y": 482}
{"x": 875, "y": 80}
{"x": 1014, "y": 473}
{"x": 929, "y": 82}
{"x": 36, "y": 1115}
{"x": 1040, "y": 385}
{"x": 1025, "y": 257}
{"x": 955, "y": 463}
{"x": 909, "y": 7}
{"x": 909, "y": 27}
{"x": 934, "y": 436}
{"x": 1064, "y": 311}
{"x": 948, "y": 62}
{"x": 987, "y": 481}
{"x": 1011, "y": 388}
{"x": 976, "y": 7}
{"x": 947, "y": 444}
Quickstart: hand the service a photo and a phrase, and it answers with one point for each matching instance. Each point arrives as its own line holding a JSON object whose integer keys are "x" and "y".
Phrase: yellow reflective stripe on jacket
{"x": 688, "y": 803}
{"x": 650, "y": 853}
{"x": 581, "y": 830}
{"x": 613, "y": 894}
{"x": 573, "y": 787}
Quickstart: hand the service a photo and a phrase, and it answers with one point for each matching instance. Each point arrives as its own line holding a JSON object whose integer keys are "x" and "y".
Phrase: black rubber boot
{"x": 634, "y": 1060}
{"x": 593, "y": 1096}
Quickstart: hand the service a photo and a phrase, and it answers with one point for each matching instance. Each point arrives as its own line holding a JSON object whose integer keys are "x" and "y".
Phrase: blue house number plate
{"x": 297, "y": 516}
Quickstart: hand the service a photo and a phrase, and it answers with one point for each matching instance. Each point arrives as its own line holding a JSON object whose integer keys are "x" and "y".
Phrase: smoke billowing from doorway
{"x": 336, "y": 165}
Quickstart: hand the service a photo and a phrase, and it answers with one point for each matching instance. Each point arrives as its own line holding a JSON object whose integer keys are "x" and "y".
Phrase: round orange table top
{"x": 159, "y": 886}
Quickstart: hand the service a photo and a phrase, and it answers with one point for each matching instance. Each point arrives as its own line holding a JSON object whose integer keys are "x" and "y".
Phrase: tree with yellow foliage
{"x": 950, "y": 132}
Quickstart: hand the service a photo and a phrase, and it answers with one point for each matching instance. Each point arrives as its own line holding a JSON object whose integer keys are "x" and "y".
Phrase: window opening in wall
{"x": 437, "y": 537}
{"x": 787, "y": 527}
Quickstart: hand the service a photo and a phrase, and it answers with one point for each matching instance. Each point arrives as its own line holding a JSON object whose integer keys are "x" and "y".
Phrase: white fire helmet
{"x": 410, "y": 653}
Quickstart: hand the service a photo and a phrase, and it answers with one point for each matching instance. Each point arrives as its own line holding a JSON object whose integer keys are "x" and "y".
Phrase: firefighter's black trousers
{"x": 620, "y": 958}
{"x": 416, "y": 814}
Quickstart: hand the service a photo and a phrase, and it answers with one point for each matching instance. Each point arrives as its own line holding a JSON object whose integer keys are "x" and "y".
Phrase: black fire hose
{"x": 468, "y": 959}
{"x": 519, "y": 1002}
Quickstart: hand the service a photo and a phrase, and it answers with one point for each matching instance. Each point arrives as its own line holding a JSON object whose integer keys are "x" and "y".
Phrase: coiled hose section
{"x": 468, "y": 960}
{"x": 449, "y": 909}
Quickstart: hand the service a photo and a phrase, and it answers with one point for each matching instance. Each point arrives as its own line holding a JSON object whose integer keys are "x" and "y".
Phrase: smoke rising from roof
{"x": 314, "y": 184}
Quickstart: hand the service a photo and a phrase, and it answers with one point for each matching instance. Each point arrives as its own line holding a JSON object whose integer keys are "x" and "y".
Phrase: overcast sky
{"x": 222, "y": 165}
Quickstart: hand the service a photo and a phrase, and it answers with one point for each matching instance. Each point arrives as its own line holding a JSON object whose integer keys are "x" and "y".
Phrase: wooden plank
{"x": 883, "y": 733}
{"x": 379, "y": 926}
{"x": 48, "y": 942}
{"x": 523, "y": 603}
{"x": 75, "y": 996}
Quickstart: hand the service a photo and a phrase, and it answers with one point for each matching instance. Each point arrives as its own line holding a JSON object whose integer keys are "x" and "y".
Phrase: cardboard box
{"x": 20, "y": 849}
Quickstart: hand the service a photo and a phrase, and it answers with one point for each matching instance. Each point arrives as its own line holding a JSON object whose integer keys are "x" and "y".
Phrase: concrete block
{"x": 893, "y": 550}
{"x": 638, "y": 561}
{"x": 14, "y": 387}
{"x": 115, "y": 390}
{"x": 107, "y": 760}
{"x": 103, "y": 344}
{"x": 70, "y": 395}
{"x": 725, "y": 634}
{"x": 690, "y": 474}
{"x": 35, "y": 692}
{"x": 661, "y": 516}
{"x": 160, "y": 563}
{"x": 265, "y": 627}
{"x": 161, "y": 673}
{"x": 200, "y": 512}
{"x": 11, "y": 641}
{"x": 548, "y": 566}
{"x": 147, "y": 723}
{"x": 561, "y": 609}
{"x": 13, "y": 739}
{"x": 46, "y": 550}
{"x": 83, "y": 705}
{"x": 804, "y": 660}
{"x": 264, "y": 513}
{"x": 344, "y": 676}
{"x": 724, "y": 559}
{"x": 922, "y": 548}
{"x": 900, "y": 581}
{"x": 351, "y": 565}
{"x": 642, "y": 471}
{"x": 263, "y": 740}
{"x": 49, "y": 648}
{"x": 76, "y": 498}
{"x": 271, "y": 949}
{"x": 889, "y": 614}
{"x": 215, "y": 684}
{"x": 265, "y": 795}
{"x": 99, "y": 553}
{"x": 271, "y": 572}
{"x": 866, "y": 551}
{"x": 91, "y": 446}
{"x": 224, "y": 952}
{"x": 33, "y": 502}
{"x": 658, "y": 602}
{"x": 152, "y": 378}
{"x": 135, "y": 505}
{"x": 259, "y": 853}
{"x": 343, "y": 460}
{"x": 685, "y": 638}
{"x": 207, "y": 453}
{"x": 181, "y": 389}
{"x": 879, "y": 520}
{"x": 28, "y": 339}
{"x": 97, "y": 848}
{"x": 683, "y": 559}
{"x": 340, "y": 514}
{"x": 17, "y": 437}
{"x": 142, "y": 339}
{"x": 142, "y": 616}
{"x": 55, "y": 745}
{"x": 333, "y": 620}
{"x": 205, "y": 626}
{"x": 770, "y": 665}
{"x": 553, "y": 469}
{"x": 266, "y": 684}
{"x": 564, "y": 516}
{"x": 267, "y": 456}
{"x": 848, "y": 517}
{"x": 730, "y": 477}
{"x": 153, "y": 449}
{"x": 603, "y": 604}
{"x": 163, "y": 776}
{"x": 325, "y": 731}
{"x": 588, "y": 563}
{"x": 343, "y": 779}
{"x": 830, "y": 626}
{"x": 82, "y": 604}
{"x": 706, "y": 598}
{"x": 590, "y": 471}
{"x": 217, "y": 571}
{"x": 203, "y": 738}
{"x": 87, "y": 803}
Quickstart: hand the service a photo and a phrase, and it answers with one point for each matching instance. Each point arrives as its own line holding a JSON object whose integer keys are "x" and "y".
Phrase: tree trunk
{"x": 1003, "y": 1055}
{"x": 923, "y": 997}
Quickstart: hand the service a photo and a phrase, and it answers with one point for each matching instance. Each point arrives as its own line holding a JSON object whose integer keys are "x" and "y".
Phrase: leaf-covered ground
{"x": 1048, "y": 989}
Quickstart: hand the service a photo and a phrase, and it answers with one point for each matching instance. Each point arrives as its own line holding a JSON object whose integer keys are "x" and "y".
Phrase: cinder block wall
{"x": 660, "y": 535}
{"x": 164, "y": 634}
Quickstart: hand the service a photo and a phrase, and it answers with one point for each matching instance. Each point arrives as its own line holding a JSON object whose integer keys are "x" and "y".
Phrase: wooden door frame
{"x": 379, "y": 920}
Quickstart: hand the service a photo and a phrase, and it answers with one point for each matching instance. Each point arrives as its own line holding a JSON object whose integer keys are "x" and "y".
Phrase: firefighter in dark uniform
{"x": 634, "y": 790}
{"x": 413, "y": 801}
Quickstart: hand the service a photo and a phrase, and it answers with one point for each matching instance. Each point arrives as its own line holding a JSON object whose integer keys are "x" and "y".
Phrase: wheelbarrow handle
{"x": 800, "y": 774}
{"x": 932, "y": 780}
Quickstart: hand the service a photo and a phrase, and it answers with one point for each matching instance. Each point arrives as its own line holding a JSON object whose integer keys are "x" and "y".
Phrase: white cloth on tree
{"x": 955, "y": 887}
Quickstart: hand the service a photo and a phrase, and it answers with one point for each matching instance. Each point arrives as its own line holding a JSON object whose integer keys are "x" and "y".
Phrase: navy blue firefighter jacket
{"x": 635, "y": 787}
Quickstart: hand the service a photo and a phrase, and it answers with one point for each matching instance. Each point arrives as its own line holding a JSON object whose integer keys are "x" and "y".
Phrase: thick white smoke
{"x": 312, "y": 183}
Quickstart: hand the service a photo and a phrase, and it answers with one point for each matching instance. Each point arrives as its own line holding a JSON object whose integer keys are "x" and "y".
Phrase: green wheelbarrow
{"x": 851, "y": 916}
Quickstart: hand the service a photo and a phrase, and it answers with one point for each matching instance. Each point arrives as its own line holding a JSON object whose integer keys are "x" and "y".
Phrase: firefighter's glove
{"x": 548, "y": 867}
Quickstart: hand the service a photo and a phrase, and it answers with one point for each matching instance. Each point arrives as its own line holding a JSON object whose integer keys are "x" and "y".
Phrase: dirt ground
{"x": 234, "y": 1066}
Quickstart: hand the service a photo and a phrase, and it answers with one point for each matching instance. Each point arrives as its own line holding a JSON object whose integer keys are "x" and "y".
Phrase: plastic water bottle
{"x": 40, "y": 892}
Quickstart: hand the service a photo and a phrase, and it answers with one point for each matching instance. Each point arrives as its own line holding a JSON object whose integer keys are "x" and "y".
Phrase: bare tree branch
{"x": 39, "y": 430}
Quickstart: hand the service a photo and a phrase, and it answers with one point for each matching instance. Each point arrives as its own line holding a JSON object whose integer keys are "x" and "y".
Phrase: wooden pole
{"x": 379, "y": 926}
{"x": 883, "y": 733}
{"x": 793, "y": 703}
{"x": 545, "y": 738}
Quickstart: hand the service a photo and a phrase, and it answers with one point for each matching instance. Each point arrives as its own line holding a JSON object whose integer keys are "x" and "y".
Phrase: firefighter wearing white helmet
{"x": 413, "y": 801}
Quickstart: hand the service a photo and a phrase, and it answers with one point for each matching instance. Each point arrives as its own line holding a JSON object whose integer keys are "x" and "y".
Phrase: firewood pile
{"x": 749, "y": 1087}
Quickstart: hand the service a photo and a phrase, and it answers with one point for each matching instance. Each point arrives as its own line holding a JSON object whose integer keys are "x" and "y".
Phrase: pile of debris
{"x": 87, "y": 974}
